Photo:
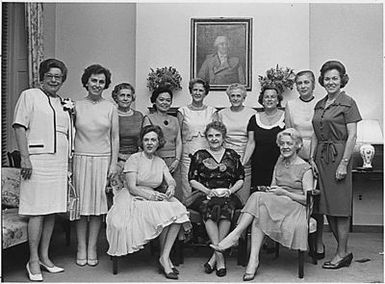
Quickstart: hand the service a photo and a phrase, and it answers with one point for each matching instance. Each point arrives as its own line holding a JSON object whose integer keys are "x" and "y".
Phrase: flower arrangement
{"x": 164, "y": 77}
{"x": 281, "y": 77}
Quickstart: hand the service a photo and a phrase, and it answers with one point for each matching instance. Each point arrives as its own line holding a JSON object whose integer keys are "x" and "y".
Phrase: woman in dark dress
{"x": 262, "y": 130}
{"x": 335, "y": 128}
{"x": 215, "y": 174}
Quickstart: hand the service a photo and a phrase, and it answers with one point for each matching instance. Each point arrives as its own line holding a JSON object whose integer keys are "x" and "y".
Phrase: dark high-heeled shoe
{"x": 250, "y": 276}
{"x": 170, "y": 275}
{"x": 221, "y": 272}
{"x": 318, "y": 255}
{"x": 345, "y": 261}
{"x": 208, "y": 268}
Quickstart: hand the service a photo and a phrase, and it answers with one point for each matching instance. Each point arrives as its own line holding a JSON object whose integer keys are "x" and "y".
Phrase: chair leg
{"x": 178, "y": 252}
{"x": 301, "y": 262}
{"x": 313, "y": 246}
{"x": 242, "y": 250}
{"x": 114, "y": 265}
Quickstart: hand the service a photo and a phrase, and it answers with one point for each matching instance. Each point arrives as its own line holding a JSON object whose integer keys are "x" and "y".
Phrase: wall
{"x": 280, "y": 35}
{"x": 87, "y": 33}
{"x": 353, "y": 34}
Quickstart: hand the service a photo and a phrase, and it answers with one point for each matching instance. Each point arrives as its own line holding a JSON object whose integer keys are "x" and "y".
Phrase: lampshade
{"x": 369, "y": 131}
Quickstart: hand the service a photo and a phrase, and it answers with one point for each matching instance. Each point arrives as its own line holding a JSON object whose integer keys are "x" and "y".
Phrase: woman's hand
{"x": 173, "y": 166}
{"x": 26, "y": 167}
{"x": 277, "y": 190}
{"x": 341, "y": 172}
{"x": 170, "y": 191}
{"x": 158, "y": 196}
{"x": 211, "y": 193}
{"x": 113, "y": 170}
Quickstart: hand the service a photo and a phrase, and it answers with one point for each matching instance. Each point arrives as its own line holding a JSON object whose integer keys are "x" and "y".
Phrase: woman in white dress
{"x": 142, "y": 212}
{"x": 193, "y": 120}
{"x": 236, "y": 119}
{"x": 43, "y": 133}
{"x": 95, "y": 159}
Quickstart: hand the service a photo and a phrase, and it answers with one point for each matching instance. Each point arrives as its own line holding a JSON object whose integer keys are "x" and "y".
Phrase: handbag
{"x": 73, "y": 210}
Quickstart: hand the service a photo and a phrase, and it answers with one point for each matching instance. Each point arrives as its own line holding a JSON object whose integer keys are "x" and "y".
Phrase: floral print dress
{"x": 215, "y": 174}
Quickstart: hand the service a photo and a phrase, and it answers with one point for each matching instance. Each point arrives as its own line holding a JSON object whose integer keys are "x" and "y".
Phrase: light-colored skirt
{"x": 46, "y": 191}
{"x": 90, "y": 181}
{"x": 132, "y": 222}
{"x": 279, "y": 217}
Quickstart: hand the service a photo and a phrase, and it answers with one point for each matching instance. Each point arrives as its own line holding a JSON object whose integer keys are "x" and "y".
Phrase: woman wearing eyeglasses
{"x": 43, "y": 135}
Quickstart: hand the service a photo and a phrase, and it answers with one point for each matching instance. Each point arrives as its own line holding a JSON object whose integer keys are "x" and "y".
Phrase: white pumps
{"x": 53, "y": 269}
{"x": 34, "y": 277}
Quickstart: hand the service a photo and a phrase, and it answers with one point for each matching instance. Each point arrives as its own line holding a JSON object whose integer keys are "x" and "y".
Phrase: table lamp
{"x": 368, "y": 132}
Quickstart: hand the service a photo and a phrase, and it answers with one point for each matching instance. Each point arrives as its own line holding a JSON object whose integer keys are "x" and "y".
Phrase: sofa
{"x": 14, "y": 226}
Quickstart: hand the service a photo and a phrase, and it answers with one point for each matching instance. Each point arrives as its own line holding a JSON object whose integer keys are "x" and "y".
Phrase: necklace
{"x": 288, "y": 162}
{"x": 125, "y": 113}
{"x": 94, "y": 101}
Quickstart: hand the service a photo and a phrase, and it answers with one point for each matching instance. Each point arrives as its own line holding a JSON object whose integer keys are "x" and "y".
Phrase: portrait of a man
{"x": 221, "y": 52}
{"x": 221, "y": 68}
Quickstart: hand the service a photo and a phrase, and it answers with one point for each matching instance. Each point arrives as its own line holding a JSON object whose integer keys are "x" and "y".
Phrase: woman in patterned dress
{"x": 335, "y": 130}
{"x": 193, "y": 120}
{"x": 279, "y": 212}
{"x": 95, "y": 159}
{"x": 215, "y": 174}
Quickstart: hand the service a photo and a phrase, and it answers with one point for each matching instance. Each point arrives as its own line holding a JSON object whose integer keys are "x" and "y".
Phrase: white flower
{"x": 68, "y": 105}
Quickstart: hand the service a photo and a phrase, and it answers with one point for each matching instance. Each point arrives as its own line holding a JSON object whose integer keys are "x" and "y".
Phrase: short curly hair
{"x": 96, "y": 69}
{"x": 217, "y": 125}
{"x": 159, "y": 91}
{"x": 47, "y": 64}
{"x": 294, "y": 134}
{"x": 270, "y": 87}
{"x": 331, "y": 65}
{"x": 305, "y": 72}
{"x": 122, "y": 86}
{"x": 236, "y": 86}
{"x": 153, "y": 128}
{"x": 194, "y": 81}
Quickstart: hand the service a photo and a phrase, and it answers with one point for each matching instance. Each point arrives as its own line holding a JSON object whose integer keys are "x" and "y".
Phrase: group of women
{"x": 206, "y": 160}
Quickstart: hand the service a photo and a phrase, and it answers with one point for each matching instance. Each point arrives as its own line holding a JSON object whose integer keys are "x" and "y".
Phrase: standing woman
{"x": 236, "y": 119}
{"x": 335, "y": 129}
{"x": 171, "y": 152}
{"x": 262, "y": 130}
{"x": 43, "y": 134}
{"x": 298, "y": 115}
{"x": 95, "y": 159}
{"x": 193, "y": 120}
{"x": 130, "y": 122}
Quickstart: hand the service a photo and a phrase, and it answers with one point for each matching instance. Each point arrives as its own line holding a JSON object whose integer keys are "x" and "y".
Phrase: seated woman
{"x": 141, "y": 213}
{"x": 215, "y": 174}
{"x": 279, "y": 212}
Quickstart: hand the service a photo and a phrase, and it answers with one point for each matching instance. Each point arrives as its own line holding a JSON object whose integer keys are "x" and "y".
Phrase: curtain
{"x": 34, "y": 25}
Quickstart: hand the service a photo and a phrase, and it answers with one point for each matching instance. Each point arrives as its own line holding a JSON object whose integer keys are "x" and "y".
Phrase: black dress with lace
{"x": 215, "y": 174}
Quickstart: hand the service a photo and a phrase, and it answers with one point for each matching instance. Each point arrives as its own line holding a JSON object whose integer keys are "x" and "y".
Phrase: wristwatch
{"x": 346, "y": 160}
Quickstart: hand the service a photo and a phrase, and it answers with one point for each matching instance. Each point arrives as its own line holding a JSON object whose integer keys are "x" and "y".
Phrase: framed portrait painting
{"x": 221, "y": 51}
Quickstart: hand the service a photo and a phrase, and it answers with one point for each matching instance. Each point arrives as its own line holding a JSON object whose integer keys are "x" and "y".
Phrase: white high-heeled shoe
{"x": 53, "y": 269}
{"x": 33, "y": 277}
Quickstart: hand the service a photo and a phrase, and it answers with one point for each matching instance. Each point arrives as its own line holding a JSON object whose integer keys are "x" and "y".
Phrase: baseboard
{"x": 362, "y": 228}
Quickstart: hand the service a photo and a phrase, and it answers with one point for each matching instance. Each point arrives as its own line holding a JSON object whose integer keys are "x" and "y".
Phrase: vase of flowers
{"x": 164, "y": 77}
{"x": 281, "y": 77}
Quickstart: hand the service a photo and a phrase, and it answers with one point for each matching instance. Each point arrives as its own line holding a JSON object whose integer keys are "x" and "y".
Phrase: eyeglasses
{"x": 52, "y": 76}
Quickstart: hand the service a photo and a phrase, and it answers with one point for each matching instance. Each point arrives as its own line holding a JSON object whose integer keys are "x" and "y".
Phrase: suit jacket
{"x": 227, "y": 73}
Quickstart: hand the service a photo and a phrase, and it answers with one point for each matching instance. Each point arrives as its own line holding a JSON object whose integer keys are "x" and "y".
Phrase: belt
{"x": 329, "y": 149}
